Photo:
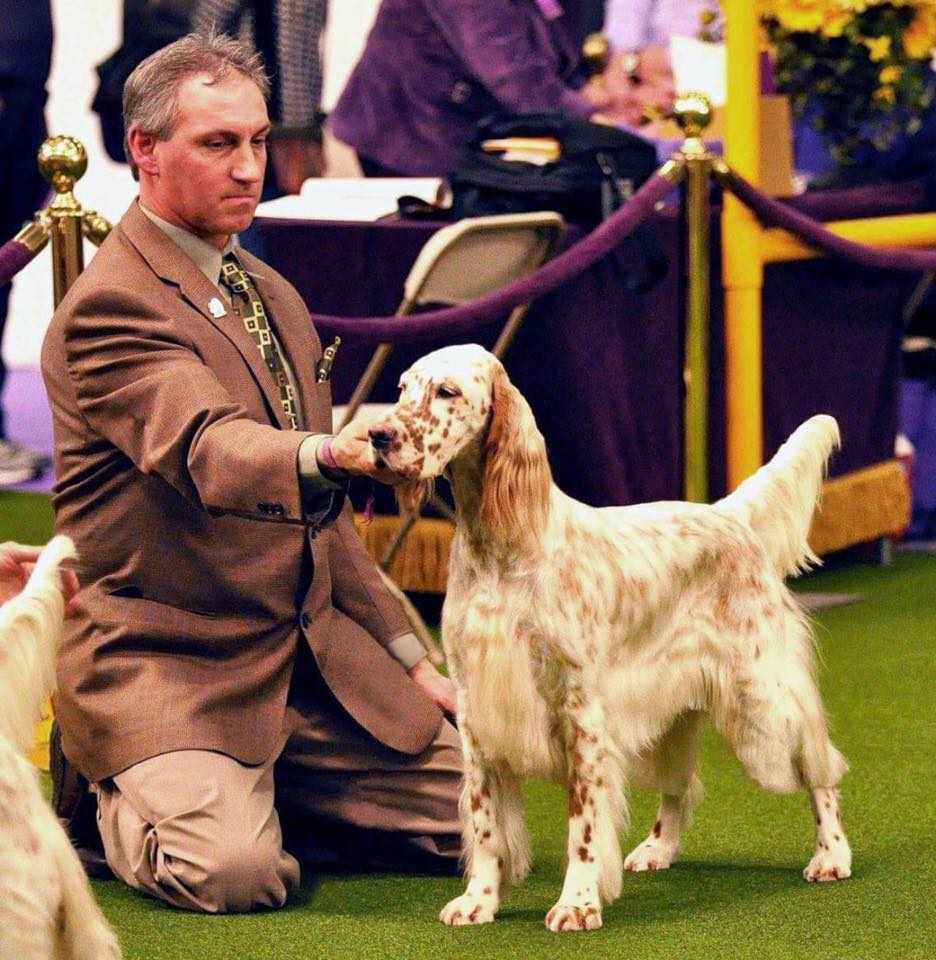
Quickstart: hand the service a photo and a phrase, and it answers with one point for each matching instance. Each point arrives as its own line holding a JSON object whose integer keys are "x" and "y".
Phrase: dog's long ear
{"x": 517, "y": 478}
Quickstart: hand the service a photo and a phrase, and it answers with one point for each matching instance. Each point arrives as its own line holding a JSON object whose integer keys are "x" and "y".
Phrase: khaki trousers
{"x": 205, "y": 832}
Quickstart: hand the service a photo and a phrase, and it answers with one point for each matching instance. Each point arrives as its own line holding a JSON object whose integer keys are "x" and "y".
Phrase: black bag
{"x": 598, "y": 170}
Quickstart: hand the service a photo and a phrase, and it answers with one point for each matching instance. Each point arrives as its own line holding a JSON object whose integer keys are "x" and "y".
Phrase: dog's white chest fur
{"x": 512, "y": 685}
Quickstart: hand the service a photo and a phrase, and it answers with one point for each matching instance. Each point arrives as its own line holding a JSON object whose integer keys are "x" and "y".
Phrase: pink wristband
{"x": 327, "y": 454}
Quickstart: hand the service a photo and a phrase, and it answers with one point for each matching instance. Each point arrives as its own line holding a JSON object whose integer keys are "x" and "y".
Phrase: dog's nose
{"x": 381, "y": 437}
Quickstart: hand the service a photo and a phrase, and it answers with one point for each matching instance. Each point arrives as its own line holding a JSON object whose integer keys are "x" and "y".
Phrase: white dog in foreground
{"x": 588, "y": 646}
{"x": 47, "y": 911}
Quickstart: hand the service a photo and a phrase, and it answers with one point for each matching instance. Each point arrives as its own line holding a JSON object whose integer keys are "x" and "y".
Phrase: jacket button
{"x": 306, "y": 621}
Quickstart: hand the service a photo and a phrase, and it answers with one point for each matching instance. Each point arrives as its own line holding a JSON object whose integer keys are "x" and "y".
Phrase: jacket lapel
{"x": 172, "y": 264}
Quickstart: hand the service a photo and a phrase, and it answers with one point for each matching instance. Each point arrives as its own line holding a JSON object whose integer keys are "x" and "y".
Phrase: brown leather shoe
{"x": 76, "y": 807}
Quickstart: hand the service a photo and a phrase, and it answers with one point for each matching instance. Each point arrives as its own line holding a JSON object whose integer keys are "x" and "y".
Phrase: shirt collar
{"x": 206, "y": 257}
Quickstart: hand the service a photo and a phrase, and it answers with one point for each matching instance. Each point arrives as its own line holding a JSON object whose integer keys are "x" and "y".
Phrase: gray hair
{"x": 150, "y": 96}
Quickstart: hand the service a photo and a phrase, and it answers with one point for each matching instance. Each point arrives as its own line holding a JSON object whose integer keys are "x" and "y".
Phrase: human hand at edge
{"x": 16, "y": 564}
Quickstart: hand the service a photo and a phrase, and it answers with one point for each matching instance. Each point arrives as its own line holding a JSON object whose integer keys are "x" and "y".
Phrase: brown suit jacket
{"x": 201, "y": 569}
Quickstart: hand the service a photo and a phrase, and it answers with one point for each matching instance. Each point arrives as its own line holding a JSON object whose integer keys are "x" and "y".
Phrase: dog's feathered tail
{"x": 30, "y": 627}
{"x": 778, "y": 501}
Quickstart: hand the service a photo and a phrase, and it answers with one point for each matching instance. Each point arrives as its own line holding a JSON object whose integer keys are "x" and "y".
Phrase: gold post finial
{"x": 693, "y": 112}
{"x": 63, "y": 161}
{"x": 596, "y": 55}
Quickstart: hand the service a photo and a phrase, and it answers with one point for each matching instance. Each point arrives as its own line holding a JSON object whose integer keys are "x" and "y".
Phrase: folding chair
{"x": 460, "y": 263}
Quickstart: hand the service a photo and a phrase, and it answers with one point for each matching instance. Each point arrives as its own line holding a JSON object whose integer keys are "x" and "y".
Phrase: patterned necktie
{"x": 250, "y": 309}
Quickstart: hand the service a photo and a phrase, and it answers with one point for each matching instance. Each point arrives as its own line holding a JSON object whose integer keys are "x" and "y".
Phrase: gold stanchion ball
{"x": 693, "y": 112}
{"x": 62, "y": 160}
{"x": 596, "y": 53}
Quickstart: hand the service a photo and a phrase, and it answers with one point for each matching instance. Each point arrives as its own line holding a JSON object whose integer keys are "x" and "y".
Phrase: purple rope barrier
{"x": 13, "y": 257}
{"x": 460, "y": 320}
{"x": 774, "y": 213}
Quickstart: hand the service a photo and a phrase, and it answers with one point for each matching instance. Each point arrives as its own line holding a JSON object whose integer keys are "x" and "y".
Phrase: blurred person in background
{"x": 640, "y": 74}
{"x": 147, "y": 26}
{"x": 287, "y": 35}
{"x": 25, "y": 59}
{"x": 430, "y": 71}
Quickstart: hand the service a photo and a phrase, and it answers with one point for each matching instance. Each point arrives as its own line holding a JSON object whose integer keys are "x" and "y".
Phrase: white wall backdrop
{"x": 86, "y": 33}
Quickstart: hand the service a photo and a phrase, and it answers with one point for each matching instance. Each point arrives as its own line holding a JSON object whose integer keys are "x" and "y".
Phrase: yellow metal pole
{"x": 905, "y": 230}
{"x": 694, "y": 113}
{"x": 742, "y": 268}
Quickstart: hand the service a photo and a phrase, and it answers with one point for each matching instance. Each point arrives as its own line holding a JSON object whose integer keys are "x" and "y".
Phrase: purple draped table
{"x": 602, "y": 367}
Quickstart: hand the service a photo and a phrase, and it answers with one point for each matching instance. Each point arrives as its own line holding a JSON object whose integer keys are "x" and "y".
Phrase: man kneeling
{"x": 235, "y": 643}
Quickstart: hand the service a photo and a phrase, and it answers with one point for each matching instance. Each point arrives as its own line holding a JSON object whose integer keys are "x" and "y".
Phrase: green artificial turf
{"x": 25, "y": 517}
{"x": 737, "y": 891}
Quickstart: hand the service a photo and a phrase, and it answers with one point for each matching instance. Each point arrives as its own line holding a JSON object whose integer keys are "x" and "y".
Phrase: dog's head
{"x": 445, "y": 403}
{"x": 458, "y": 402}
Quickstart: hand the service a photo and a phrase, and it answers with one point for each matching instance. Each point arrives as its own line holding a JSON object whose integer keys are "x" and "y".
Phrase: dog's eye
{"x": 447, "y": 391}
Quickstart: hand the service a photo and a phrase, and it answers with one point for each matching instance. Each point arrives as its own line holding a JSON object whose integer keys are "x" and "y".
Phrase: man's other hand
{"x": 439, "y": 689}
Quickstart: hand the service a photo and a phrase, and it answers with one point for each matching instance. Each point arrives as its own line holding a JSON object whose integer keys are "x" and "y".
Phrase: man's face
{"x": 208, "y": 175}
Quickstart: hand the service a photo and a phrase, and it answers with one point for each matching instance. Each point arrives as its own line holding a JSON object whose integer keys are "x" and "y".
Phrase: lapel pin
{"x": 216, "y": 307}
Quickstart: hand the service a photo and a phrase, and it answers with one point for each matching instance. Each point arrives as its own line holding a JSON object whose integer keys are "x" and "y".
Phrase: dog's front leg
{"x": 496, "y": 846}
{"x": 596, "y": 807}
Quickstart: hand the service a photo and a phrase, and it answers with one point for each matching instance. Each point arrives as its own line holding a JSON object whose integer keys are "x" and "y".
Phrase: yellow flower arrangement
{"x": 859, "y": 69}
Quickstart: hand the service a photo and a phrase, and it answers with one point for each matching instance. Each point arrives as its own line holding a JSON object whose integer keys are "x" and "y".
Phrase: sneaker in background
{"x": 18, "y": 464}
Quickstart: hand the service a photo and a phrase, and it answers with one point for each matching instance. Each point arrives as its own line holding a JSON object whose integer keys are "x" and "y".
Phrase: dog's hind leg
{"x": 673, "y": 765}
{"x": 821, "y": 768}
{"x": 776, "y": 724}
{"x": 832, "y": 859}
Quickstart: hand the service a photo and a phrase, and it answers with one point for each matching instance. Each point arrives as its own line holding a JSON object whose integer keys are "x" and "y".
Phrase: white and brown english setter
{"x": 588, "y": 645}
{"x": 47, "y": 911}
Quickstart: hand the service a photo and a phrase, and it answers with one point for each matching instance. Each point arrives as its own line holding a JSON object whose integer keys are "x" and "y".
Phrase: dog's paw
{"x": 468, "y": 910}
{"x": 830, "y": 864}
{"x": 573, "y": 916}
{"x": 650, "y": 855}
